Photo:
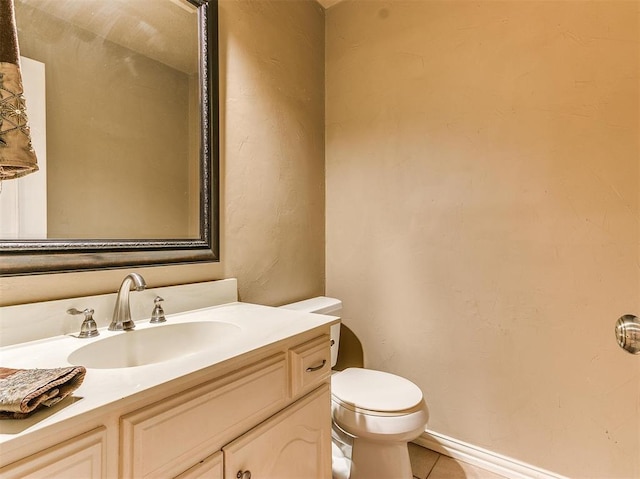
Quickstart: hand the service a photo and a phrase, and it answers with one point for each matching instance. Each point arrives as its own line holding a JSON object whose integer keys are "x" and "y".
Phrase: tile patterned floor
{"x": 429, "y": 464}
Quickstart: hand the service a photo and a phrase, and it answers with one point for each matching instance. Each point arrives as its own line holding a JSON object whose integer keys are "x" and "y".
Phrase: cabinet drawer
{"x": 310, "y": 364}
{"x": 82, "y": 456}
{"x": 163, "y": 439}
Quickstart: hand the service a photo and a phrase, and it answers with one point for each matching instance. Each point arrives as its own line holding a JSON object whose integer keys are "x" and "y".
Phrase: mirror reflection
{"x": 113, "y": 97}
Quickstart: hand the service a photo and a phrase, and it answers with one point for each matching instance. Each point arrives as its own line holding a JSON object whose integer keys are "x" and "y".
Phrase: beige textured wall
{"x": 273, "y": 53}
{"x": 272, "y": 155}
{"x": 482, "y": 168}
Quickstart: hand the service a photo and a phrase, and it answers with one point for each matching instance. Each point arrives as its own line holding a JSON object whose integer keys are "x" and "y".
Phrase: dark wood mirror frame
{"x": 21, "y": 257}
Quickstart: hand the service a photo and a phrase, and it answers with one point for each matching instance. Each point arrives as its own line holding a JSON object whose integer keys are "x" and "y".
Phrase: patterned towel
{"x": 17, "y": 156}
{"x": 23, "y": 391}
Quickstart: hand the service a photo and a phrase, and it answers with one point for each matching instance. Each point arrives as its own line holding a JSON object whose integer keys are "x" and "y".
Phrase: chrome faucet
{"x": 122, "y": 312}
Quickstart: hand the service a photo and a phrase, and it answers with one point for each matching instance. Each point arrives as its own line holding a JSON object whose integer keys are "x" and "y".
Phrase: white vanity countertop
{"x": 260, "y": 325}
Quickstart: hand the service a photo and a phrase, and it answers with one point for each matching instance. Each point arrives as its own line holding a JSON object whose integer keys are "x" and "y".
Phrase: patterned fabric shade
{"x": 17, "y": 157}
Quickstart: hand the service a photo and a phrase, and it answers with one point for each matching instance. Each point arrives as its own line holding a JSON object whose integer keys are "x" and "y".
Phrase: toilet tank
{"x": 322, "y": 305}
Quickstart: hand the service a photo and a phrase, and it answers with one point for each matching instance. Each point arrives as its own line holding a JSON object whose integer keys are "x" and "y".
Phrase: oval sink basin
{"x": 151, "y": 345}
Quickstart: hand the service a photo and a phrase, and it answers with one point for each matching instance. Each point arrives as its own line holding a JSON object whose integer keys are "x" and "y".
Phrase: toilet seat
{"x": 377, "y": 393}
{"x": 376, "y": 405}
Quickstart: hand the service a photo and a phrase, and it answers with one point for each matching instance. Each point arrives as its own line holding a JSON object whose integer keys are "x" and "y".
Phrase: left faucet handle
{"x": 89, "y": 328}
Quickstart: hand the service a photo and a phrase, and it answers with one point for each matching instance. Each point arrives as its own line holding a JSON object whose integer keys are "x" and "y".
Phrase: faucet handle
{"x": 88, "y": 329}
{"x": 158, "y": 313}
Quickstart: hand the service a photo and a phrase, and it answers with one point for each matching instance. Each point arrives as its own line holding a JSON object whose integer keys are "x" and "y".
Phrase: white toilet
{"x": 380, "y": 411}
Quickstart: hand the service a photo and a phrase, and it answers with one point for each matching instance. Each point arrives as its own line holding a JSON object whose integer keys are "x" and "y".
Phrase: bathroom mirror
{"x": 130, "y": 163}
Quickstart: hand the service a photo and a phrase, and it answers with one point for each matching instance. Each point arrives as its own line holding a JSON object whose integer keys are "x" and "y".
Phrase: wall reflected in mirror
{"x": 120, "y": 131}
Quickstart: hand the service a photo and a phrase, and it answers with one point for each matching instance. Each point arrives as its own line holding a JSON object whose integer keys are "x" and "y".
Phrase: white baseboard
{"x": 490, "y": 461}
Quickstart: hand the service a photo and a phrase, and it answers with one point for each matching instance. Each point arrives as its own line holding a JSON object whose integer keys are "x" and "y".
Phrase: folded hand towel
{"x": 23, "y": 391}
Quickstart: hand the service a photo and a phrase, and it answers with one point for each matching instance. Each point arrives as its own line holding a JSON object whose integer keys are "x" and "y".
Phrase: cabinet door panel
{"x": 293, "y": 444}
{"x": 82, "y": 457}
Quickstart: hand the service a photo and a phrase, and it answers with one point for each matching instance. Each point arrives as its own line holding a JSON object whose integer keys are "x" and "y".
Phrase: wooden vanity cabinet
{"x": 267, "y": 412}
{"x": 272, "y": 417}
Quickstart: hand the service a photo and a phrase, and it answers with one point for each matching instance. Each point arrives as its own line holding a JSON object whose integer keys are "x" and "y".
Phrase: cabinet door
{"x": 82, "y": 457}
{"x": 293, "y": 444}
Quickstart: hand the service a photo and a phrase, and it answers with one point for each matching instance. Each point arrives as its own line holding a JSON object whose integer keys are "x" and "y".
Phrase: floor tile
{"x": 448, "y": 468}
{"x": 422, "y": 460}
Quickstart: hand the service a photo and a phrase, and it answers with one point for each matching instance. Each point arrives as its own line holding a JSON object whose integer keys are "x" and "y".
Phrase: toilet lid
{"x": 374, "y": 390}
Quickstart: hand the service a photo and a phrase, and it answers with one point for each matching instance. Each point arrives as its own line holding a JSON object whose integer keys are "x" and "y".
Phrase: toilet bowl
{"x": 379, "y": 411}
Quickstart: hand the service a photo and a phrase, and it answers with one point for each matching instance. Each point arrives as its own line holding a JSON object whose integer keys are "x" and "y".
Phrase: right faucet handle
{"x": 158, "y": 313}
